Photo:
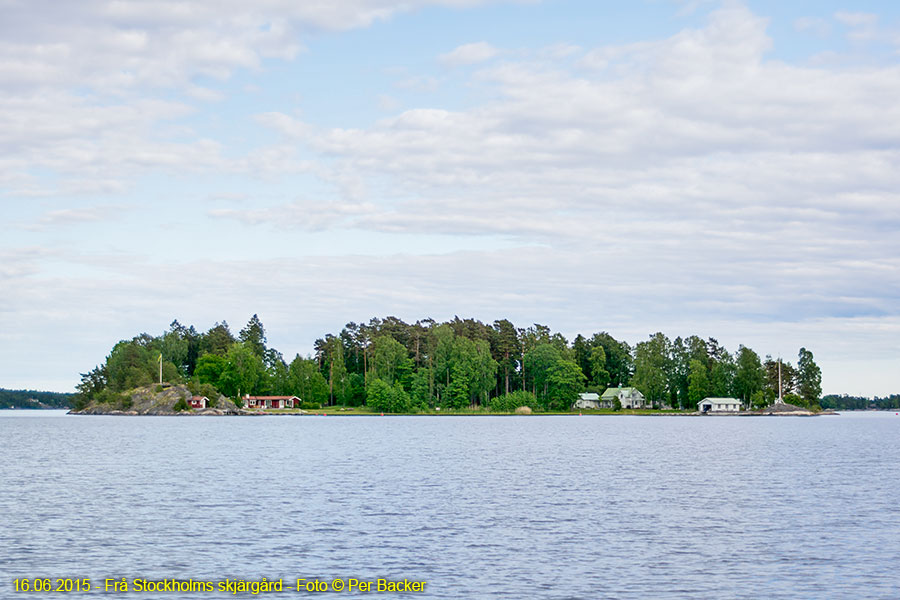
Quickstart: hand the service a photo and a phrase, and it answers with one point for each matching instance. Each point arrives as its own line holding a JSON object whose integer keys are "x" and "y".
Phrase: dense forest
{"x": 33, "y": 399}
{"x": 846, "y": 402}
{"x": 394, "y": 366}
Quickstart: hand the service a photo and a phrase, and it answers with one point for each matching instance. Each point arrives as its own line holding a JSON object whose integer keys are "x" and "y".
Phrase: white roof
{"x": 719, "y": 401}
{"x": 590, "y": 396}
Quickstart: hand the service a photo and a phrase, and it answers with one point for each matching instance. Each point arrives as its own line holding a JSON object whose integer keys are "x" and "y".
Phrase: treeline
{"x": 33, "y": 399}
{"x": 845, "y": 402}
{"x": 395, "y": 366}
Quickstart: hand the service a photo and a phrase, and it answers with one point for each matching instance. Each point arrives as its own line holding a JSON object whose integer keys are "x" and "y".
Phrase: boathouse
{"x": 198, "y": 402}
{"x": 719, "y": 405}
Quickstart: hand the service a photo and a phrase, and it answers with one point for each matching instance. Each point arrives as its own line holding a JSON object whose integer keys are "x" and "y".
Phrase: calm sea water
{"x": 479, "y": 507}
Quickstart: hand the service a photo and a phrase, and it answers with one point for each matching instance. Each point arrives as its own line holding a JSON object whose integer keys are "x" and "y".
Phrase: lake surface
{"x": 479, "y": 507}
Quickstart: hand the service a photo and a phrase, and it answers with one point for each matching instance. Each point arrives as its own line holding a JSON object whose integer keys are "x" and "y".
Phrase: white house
{"x": 719, "y": 405}
{"x": 627, "y": 396}
{"x": 588, "y": 400}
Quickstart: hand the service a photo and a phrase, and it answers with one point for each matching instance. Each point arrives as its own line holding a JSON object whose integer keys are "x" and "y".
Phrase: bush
{"x": 382, "y": 397}
{"x": 617, "y": 405}
{"x": 795, "y": 400}
{"x": 203, "y": 389}
{"x": 181, "y": 405}
{"x": 310, "y": 405}
{"x": 510, "y": 402}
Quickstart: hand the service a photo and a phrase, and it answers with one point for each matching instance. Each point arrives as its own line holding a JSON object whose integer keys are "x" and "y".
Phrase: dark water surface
{"x": 479, "y": 507}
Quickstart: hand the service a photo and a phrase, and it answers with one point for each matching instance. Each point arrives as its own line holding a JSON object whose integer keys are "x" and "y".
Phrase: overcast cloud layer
{"x": 202, "y": 163}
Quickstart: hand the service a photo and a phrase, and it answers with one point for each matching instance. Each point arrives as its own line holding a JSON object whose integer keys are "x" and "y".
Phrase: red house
{"x": 199, "y": 402}
{"x": 271, "y": 401}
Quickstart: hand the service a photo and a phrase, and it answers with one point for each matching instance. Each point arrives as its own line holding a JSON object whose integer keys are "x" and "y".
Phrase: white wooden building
{"x": 719, "y": 405}
{"x": 588, "y": 400}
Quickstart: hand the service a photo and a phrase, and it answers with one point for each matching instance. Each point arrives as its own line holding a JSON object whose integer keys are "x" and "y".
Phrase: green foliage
{"x": 203, "y": 389}
{"x": 382, "y": 397}
{"x": 749, "y": 376}
{"x": 34, "y": 399}
{"x": 253, "y": 335}
{"x": 337, "y": 372}
{"x": 599, "y": 375}
{"x": 564, "y": 383}
{"x": 209, "y": 368}
{"x": 758, "y": 400}
{"x": 310, "y": 405}
{"x": 458, "y": 364}
{"x": 181, "y": 405}
{"x": 619, "y": 360}
{"x": 651, "y": 368}
{"x": 243, "y": 371}
{"x": 306, "y": 381}
{"x": 217, "y": 340}
{"x": 390, "y": 359}
{"x": 617, "y": 404}
{"x": 538, "y": 363}
{"x": 513, "y": 400}
{"x": 795, "y": 399}
{"x": 809, "y": 378}
{"x": 698, "y": 383}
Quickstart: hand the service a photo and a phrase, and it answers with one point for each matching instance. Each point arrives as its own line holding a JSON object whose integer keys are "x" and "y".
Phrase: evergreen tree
{"x": 809, "y": 378}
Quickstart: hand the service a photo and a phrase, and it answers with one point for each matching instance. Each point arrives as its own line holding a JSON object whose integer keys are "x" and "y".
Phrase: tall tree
{"x": 538, "y": 362}
{"x": 254, "y": 336}
{"x": 651, "y": 367}
{"x": 565, "y": 380}
{"x": 505, "y": 343}
{"x": 809, "y": 378}
{"x": 306, "y": 381}
{"x": 698, "y": 383}
{"x": 244, "y": 371}
{"x": 390, "y": 359}
{"x": 217, "y": 340}
{"x": 749, "y": 376}
{"x": 619, "y": 363}
{"x": 337, "y": 372}
{"x": 599, "y": 375}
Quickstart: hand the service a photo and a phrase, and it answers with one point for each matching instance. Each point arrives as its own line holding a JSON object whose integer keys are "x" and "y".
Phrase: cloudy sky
{"x": 726, "y": 169}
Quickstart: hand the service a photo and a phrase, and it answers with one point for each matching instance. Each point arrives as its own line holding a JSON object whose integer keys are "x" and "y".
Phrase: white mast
{"x": 779, "y": 399}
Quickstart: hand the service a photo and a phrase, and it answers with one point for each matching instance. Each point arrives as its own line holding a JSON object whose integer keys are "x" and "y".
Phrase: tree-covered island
{"x": 388, "y": 365}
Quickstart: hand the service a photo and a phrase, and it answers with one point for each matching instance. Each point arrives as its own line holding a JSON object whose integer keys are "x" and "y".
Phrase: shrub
{"x": 181, "y": 405}
{"x": 383, "y": 397}
{"x": 510, "y": 402}
{"x": 310, "y": 405}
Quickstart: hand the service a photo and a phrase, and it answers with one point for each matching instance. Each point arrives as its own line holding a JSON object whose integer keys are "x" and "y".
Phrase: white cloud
{"x": 309, "y": 216}
{"x": 76, "y": 79}
{"x": 469, "y": 54}
{"x": 695, "y": 156}
{"x": 86, "y": 214}
{"x": 815, "y": 25}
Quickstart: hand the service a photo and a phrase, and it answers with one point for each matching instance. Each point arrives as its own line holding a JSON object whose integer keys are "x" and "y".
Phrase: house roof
{"x": 589, "y": 396}
{"x": 613, "y": 392}
{"x": 720, "y": 401}
{"x": 271, "y": 397}
{"x": 199, "y": 398}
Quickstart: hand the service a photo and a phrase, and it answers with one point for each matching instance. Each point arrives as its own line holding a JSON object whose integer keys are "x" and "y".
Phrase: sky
{"x": 725, "y": 169}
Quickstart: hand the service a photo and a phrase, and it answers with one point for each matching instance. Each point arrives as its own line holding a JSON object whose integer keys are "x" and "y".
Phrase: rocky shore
{"x": 158, "y": 400}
